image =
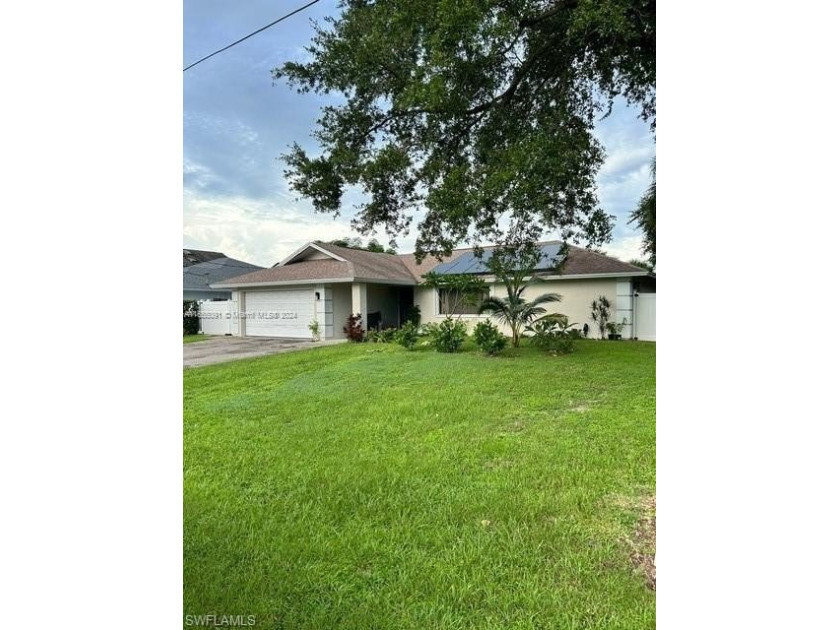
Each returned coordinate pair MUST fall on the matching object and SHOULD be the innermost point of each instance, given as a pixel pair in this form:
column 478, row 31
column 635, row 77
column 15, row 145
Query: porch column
column 359, row 297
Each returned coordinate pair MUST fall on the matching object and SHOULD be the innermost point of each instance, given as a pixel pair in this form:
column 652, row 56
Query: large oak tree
column 471, row 113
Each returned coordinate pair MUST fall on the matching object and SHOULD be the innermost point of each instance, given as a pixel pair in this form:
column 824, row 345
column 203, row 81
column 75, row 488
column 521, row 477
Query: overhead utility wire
column 239, row 41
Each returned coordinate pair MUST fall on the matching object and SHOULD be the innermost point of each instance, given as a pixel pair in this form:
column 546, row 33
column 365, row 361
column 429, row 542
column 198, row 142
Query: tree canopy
column 356, row 243
column 471, row 113
column 644, row 216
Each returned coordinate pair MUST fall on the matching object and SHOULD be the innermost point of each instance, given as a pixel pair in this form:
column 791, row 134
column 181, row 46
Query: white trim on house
column 586, row 276
column 277, row 283
column 272, row 283
column 300, row 250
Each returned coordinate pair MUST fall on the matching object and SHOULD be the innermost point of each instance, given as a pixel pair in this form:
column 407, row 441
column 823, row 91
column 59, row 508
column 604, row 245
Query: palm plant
column 601, row 314
column 514, row 310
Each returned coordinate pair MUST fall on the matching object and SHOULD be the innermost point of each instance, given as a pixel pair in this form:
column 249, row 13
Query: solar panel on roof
column 468, row 262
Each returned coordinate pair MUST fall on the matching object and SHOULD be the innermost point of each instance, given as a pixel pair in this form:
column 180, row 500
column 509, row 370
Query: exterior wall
column 622, row 310
column 342, row 303
column 576, row 303
column 324, row 310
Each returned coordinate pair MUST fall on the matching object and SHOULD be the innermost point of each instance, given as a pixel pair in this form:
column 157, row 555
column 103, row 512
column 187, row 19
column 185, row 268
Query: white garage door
column 285, row 313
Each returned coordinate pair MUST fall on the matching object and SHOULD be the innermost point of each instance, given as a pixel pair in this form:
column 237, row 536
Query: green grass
column 365, row 486
column 194, row 338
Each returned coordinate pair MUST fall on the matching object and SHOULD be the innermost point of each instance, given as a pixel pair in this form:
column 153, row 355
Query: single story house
column 328, row 283
column 203, row 268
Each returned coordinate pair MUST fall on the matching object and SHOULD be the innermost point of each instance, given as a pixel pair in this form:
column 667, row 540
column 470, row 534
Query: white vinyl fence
column 219, row 318
column 646, row 316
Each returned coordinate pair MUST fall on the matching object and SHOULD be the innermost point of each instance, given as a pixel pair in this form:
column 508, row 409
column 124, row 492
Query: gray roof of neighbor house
column 196, row 256
column 200, row 276
column 345, row 265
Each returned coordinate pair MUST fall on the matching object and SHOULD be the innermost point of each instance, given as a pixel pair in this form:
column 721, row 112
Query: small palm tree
column 516, row 311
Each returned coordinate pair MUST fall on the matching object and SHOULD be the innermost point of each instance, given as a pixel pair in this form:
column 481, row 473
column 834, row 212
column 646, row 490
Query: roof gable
column 310, row 251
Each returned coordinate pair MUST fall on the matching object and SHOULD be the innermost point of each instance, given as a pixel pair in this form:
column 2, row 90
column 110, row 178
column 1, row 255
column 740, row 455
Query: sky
column 237, row 121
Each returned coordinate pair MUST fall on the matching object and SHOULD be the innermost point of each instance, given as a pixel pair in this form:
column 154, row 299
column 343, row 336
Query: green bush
column 448, row 335
column 489, row 338
column 408, row 335
column 413, row 315
column 386, row 335
column 554, row 333
column 191, row 321
column 315, row 329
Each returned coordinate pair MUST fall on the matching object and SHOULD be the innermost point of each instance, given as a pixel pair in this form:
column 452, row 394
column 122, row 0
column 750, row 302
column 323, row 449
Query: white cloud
column 625, row 248
column 627, row 159
column 256, row 231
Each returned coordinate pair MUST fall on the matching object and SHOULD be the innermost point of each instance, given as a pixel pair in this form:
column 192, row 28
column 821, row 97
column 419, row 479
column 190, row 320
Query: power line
column 260, row 30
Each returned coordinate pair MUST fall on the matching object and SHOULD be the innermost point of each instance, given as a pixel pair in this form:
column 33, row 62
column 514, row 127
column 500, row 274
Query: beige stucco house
column 327, row 283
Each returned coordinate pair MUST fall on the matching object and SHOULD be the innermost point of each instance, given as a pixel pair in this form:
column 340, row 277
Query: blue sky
column 237, row 122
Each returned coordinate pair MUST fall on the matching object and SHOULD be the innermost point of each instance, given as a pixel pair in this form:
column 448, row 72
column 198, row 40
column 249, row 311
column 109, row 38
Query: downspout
column 633, row 318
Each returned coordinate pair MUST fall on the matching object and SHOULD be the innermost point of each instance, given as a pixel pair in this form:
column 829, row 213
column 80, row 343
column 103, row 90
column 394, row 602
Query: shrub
column 614, row 328
column 353, row 329
column 448, row 335
column 489, row 338
column 601, row 314
column 191, row 321
column 386, row 335
column 408, row 335
column 412, row 315
column 315, row 329
column 554, row 333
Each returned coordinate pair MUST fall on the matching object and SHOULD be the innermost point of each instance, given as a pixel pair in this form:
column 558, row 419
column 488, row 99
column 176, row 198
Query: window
column 452, row 302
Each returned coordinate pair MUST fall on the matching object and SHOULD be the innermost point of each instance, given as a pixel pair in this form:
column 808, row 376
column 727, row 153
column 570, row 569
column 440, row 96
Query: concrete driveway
column 222, row 349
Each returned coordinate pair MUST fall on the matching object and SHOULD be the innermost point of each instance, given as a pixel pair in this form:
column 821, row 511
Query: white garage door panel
column 279, row 313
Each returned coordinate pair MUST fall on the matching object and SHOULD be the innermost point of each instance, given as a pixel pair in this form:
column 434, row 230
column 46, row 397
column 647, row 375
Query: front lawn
column 365, row 486
column 194, row 338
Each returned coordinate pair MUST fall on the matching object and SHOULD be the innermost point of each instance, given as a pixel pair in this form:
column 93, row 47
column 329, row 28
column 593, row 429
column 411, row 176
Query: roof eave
column 611, row 274
column 272, row 283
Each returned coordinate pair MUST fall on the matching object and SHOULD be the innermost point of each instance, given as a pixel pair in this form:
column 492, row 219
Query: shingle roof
column 579, row 261
column 428, row 263
column 196, row 256
column 584, row 261
column 402, row 269
column 199, row 276
column 306, row 270
column 372, row 265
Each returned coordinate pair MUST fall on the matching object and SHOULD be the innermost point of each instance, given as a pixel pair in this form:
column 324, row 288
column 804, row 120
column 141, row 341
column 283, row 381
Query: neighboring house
column 195, row 256
column 203, row 268
column 328, row 283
